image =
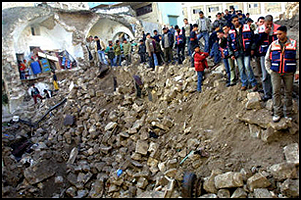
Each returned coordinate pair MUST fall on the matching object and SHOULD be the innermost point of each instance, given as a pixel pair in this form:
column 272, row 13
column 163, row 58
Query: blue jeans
column 200, row 79
column 117, row 59
column 245, row 71
column 151, row 61
column 227, row 67
column 206, row 38
column 102, row 57
column 215, row 53
column 112, row 62
column 155, row 59
column 266, row 79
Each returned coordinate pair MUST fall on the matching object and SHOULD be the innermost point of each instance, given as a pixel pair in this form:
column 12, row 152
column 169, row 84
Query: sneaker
column 243, row 88
column 276, row 118
column 289, row 118
column 228, row 84
column 266, row 98
column 232, row 84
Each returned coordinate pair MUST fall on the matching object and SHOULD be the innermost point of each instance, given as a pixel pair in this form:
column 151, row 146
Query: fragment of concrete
column 209, row 184
column 291, row 153
column 262, row 193
column 290, row 188
column 73, row 154
column 239, row 193
column 39, row 172
column 228, row 180
column 253, row 101
column 142, row 147
column 255, row 131
column 257, row 181
column 283, row 171
column 223, row 193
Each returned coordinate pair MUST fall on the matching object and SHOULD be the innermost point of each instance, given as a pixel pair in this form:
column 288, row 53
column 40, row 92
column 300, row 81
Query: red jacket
column 200, row 61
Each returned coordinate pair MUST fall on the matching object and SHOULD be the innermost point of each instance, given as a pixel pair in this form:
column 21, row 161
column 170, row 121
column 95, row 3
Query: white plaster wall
column 49, row 39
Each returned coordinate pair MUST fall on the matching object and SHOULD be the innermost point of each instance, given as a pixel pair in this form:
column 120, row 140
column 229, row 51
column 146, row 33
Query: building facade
column 256, row 9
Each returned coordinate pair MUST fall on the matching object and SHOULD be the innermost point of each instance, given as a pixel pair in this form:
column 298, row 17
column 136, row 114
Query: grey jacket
column 208, row 24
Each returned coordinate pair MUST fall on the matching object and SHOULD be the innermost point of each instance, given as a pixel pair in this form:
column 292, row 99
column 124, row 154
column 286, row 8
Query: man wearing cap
column 281, row 62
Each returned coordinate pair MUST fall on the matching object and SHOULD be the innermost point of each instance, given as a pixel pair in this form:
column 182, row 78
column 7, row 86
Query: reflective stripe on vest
column 283, row 61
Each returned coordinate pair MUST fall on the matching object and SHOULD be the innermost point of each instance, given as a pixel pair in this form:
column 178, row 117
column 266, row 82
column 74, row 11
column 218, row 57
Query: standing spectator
column 200, row 63
column 213, row 45
column 117, row 51
column 187, row 28
column 150, row 50
column 156, row 36
column 249, row 21
column 180, row 44
column 111, row 54
column 143, row 36
column 285, row 50
column 167, row 44
column 54, row 79
column 142, row 51
column 241, row 19
column 22, row 68
column 247, row 16
column 257, row 71
column 193, row 41
column 266, row 35
column 35, row 93
column 240, row 40
column 204, row 25
column 228, row 17
column 158, row 51
column 172, row 30
column 232, row 10
column 219, row 22
column 91, row 48
column 154, row 55
column 228, row 62
column 127, row 51
column 100, row 48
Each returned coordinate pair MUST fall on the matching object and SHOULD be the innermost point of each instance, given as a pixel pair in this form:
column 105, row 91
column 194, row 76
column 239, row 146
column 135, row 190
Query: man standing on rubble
column 180, row 44
column 281, row 62
column 127, row 51
column 91, row 48
column 187, row 28
column 150, row 50
column 204, row 25
column 266, row 34
column 167, row 44
column 100, row 48
column 35, row 93
column 241, row 47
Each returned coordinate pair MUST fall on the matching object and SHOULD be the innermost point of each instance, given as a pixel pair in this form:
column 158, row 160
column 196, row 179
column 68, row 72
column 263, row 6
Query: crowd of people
column 232, row 38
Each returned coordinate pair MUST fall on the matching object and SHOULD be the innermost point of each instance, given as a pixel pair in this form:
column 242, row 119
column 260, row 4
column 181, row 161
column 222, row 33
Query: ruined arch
column 108, row 29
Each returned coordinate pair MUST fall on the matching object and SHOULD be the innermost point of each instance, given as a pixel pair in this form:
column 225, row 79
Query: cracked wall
column 58, row 29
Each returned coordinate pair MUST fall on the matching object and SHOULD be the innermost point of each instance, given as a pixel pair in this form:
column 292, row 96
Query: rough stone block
column 141, row 147
column 262, row 193
column 291, row 153
column 283, row 171
column 290, row 188
column 257, row 181
column 228, row 180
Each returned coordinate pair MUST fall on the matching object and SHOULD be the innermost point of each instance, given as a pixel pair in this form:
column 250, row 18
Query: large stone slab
column 228, row 180
column 283, row 171
column 39, row 172
column 257, row 181
column 290, row 188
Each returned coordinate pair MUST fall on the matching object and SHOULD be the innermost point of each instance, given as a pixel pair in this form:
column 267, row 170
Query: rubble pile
column 104, row 141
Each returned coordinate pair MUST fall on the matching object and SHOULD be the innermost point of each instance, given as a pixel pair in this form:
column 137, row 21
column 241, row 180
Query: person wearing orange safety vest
column 281, row 63
column 241, row 46
column 265, row 35
column 180, row 43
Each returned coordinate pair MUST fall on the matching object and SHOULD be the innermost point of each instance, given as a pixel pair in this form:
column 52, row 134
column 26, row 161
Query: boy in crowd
column 142, row 51
column 200, row 63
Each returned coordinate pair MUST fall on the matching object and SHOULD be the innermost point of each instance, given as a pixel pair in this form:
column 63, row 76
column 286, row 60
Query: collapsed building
column 54, row 30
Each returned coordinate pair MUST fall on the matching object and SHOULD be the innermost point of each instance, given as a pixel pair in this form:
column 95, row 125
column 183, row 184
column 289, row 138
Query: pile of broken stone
column 106, row 143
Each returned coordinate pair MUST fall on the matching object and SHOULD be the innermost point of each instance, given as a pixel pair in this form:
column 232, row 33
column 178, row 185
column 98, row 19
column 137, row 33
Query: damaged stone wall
column 59, row 29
